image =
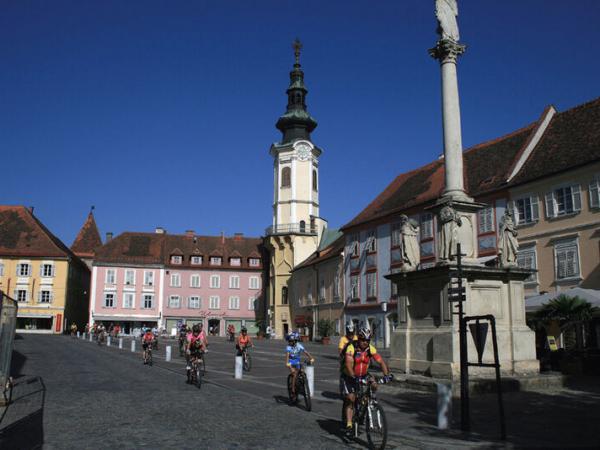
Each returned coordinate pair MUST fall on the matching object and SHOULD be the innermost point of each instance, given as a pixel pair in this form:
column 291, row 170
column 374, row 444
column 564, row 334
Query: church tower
column 296, row 226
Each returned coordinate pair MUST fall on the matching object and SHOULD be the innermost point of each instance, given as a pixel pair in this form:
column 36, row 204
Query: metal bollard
column 310, row 376
column 444, row 405
column 90, row 337
column 168, row 353
column 120, row 342
column 108, row 341
column 133, row 345
column 239, row 368
column 78, row 335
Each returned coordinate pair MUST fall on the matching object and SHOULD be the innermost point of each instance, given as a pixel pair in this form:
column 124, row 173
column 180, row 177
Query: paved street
column 74, row 394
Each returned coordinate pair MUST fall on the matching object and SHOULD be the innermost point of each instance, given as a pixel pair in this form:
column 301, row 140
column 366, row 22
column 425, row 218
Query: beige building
column 50, row 283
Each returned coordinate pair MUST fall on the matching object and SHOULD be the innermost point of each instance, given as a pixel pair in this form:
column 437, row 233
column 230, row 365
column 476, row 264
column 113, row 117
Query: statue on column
column 508, row 246
column 446, row 12
column 450, row 222
column 411, row 252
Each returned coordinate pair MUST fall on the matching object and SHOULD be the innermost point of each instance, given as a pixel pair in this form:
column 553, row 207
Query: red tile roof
column 23, row 235
column 133, row 248
column 88, row 239
column 331, row 251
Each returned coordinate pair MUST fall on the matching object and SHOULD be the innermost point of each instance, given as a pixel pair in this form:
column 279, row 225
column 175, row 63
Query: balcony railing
column 287, row 228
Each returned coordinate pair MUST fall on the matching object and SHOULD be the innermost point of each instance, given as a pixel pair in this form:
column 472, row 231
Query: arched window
column 302, row 226
column 315, row 181
column 284, row 295
column 286, row 177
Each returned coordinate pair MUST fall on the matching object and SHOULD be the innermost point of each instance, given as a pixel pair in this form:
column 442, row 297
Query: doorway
column 214, row 327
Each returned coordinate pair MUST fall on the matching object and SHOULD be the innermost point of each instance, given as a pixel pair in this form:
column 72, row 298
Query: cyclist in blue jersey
column 294, row 352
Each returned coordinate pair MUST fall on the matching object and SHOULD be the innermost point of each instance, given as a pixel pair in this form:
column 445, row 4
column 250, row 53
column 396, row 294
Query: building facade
column 48, row 280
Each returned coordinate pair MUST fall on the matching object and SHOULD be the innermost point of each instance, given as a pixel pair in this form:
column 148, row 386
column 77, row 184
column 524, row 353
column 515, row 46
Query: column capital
column 447, row 51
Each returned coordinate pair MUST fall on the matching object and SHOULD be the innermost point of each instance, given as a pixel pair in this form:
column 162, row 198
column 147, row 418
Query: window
column 567, row 259
column 251, row 304
column 215, row 260
column 23, row 270
column 175, row 280
column 396, row 235
column 196, row 260
column 109, row 300
column 110, row 276
column 354, row 246
column 45, row 297
column 176, row 259
column 174, row 301
column 128, row 300
column 254, row 283
column 130, row 277
column 286, row 177
column 354, row 293
column 148, row 301
column 47, row 270
column 284, row 295
column 371, row 244
column 235, row 262
column 148, row 278
column 426, row 226
column 595, row 192
column 195, row 280
column 21, row 295
column 486, row 220
column 336, row 284
column 234, row 282
column 564, row 200
column 194, row 302
column 314, row 181
column 526, row 210
column 215, row 281
column 322, row 290
column 526, row 260
column 372, row 285
column 254, row 262
column 214, row 302
column 234, row 303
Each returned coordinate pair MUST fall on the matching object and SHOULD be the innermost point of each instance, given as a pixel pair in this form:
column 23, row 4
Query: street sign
column 479, row 332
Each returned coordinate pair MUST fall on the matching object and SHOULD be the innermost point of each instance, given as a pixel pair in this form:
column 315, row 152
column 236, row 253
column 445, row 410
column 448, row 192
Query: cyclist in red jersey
column 196, row 345
column 243, row 341
column 147, row 341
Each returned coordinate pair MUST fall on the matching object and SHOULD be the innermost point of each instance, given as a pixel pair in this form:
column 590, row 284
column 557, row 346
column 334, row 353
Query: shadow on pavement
column 16, row 364
column 333, row 428
column 22, row 423
column 332, row 395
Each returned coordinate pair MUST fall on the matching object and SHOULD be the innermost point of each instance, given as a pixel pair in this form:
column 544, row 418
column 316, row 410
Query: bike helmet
column 364, row 333
column 350, row 327
column 293, row 336
column 196, row 329
column 244, row 329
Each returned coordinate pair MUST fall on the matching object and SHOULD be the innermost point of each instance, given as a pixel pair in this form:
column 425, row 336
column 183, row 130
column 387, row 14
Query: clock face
column 303, row 151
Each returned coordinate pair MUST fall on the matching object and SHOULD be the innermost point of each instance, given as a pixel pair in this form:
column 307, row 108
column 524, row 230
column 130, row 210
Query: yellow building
column 50, row 283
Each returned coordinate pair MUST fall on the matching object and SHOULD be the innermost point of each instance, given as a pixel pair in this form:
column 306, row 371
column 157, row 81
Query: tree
column 325, row 327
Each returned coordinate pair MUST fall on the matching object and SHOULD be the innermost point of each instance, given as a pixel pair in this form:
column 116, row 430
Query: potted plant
column 325, row 327
column 304, row 324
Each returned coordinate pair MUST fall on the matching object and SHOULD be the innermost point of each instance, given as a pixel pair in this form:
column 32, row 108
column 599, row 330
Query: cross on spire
column 297, row 46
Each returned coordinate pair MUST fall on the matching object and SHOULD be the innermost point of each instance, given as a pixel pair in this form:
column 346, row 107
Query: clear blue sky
column 161, row 113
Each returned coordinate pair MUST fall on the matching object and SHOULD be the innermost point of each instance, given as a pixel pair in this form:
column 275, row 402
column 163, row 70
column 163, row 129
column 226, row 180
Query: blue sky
column 161, row 113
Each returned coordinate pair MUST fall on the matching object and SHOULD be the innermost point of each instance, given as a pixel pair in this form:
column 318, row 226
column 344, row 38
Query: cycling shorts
column 295, row 363
column 348, row 385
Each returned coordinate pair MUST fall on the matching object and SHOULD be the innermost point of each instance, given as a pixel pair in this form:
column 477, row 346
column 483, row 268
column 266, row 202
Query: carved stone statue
column 446, row 12
column 411, row 252
column 508, row 246
column 450, row 221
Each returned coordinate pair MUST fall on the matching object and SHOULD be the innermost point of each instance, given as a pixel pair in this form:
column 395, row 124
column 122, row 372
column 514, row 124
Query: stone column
column 447, row 52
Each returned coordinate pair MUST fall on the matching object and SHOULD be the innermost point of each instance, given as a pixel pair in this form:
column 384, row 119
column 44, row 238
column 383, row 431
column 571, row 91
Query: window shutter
column 549, row 205
column 535, row 208
column 593, row 188
column 41, row 270
column 576, row 192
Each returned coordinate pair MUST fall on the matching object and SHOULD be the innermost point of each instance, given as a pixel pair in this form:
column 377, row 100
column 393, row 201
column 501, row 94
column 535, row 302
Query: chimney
column 238, row 236
column 222, row 238
column 109, row 236
column 160, row 230
column 190, row 233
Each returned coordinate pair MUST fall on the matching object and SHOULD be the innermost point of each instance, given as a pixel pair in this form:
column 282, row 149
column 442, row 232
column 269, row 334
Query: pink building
column 160, row 279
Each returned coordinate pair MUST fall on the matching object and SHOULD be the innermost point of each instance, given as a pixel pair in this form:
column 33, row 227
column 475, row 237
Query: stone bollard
column 120, row 342
column 91, row 337
column 133, row 345
column 310, row 376
column 444, row 405
column 78, row 335
column 239, row 367
column 168, row 353
column 108, row 341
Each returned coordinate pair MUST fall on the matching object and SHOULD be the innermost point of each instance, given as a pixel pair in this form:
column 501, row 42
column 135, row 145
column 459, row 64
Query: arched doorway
column 214, row 327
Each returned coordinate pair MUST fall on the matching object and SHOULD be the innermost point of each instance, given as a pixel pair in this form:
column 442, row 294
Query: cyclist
column 357, row 359
column 183, row 331
column 231, row 331
column 243, row 341
column 294, row 352
column 196, row 344
column 147, row 341
column 100, row 330
column 347, row 339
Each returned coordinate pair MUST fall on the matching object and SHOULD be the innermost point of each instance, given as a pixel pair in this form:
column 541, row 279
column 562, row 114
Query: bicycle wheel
column 289, row 387
column 198, row 374
column 305, row 390
column 247, row 362
column 203, row 366
column 376, row 426
column 149, row 357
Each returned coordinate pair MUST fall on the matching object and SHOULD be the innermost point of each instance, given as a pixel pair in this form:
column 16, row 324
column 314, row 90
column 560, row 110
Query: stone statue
column 450, row 221
column 411, row 252
column 508, row 246
column 446, row 12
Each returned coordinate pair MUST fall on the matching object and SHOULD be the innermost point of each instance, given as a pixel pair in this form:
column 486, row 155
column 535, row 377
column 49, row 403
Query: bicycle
column 148, row 355
column 302, row 387
column 197, row 371
column 182, row 340
column 369, row 413
column 246, row 360
column 155, row 343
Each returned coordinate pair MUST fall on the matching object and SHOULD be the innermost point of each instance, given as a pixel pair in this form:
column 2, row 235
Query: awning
column 34, row 315
column 127, row 318
column 535, row 303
